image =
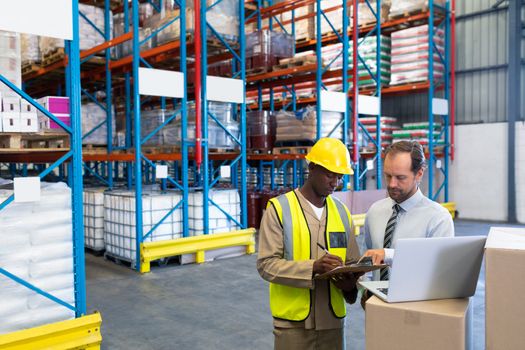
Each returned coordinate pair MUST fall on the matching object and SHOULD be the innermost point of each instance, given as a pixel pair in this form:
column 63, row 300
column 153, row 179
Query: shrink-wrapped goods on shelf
column 260, row 130
column 223, row 17
column 401, row 8
column 410, row 58
column 88, row 35
column 94, row 218
column 302, row 125
column 265, row 48
column 126, row 48
column 10, row 62
column 304, row 28
column 94, row 117
column 218, row 138
column 367, row 51
column 120, row 220
column 227, row 199
column 419, row 132
column 39, row 251
column 30, row 48
column 387, row 126
column 151, row 120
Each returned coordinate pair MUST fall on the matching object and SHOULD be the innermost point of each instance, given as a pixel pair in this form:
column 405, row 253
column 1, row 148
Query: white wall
column 478, row 175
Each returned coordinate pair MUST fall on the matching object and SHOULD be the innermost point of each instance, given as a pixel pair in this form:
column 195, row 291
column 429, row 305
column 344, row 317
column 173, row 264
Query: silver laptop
column 431, row 268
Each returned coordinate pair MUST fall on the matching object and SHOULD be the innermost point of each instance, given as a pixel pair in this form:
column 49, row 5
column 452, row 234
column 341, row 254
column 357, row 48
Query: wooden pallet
column 294, row 63
column 53, row 56
column 30, row 67
column 26, row 141
column 292, row 150
column 260, row 151
column 256, row 71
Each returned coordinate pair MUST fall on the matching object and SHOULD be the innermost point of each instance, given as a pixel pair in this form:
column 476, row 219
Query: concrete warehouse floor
column 217, row 305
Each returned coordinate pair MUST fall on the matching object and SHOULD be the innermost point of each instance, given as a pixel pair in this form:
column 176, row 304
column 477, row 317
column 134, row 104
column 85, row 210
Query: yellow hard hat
column 331, row 154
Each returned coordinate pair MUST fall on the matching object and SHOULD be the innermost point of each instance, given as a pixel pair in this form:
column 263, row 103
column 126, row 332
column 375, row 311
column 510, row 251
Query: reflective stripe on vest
column 291, row 303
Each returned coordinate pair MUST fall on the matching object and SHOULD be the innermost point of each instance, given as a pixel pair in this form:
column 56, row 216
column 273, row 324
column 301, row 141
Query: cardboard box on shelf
column 504, row 284
column 430, row 325
column 10, row 121
column 28, row 122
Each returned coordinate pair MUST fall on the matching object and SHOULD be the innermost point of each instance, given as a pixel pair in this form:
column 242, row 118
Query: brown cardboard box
column 504, row 286
column 435, row 324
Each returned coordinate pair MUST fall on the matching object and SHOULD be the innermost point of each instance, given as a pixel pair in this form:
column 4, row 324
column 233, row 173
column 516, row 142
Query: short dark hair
column 416, row 153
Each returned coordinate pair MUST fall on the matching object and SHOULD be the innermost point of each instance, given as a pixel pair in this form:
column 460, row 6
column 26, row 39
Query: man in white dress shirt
column 406, row 212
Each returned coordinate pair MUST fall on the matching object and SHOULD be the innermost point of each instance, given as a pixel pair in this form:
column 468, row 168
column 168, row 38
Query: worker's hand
column 377, row 255
column 366, row 295
column 346, row 281
column 326, row 263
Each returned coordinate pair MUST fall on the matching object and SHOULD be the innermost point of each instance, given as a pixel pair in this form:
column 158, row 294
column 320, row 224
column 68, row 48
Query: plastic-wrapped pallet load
column 152, row 119
column 92, row 117
column 227, row 199
column 39, row 251
column 410, row 55
column 126, row 48
column 399, row 8
column 120, row 224
column 223, row 16
column 89, row 36
column 217, row 136
column 10, row 61
column 302, row 125
column 419, row 132
column 387, row 127
column 265, row 48
column 94, row 218
column 30, row 48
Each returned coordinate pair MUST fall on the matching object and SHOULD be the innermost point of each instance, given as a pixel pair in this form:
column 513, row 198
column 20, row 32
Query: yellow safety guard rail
column 150, row 251
column 80, row 333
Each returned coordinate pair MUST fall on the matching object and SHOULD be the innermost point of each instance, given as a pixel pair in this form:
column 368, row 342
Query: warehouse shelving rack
column 138, row 164
column 69, row 330
column 435, row 15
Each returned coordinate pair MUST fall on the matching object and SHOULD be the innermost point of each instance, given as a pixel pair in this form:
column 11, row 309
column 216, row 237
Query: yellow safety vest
column 291, row 303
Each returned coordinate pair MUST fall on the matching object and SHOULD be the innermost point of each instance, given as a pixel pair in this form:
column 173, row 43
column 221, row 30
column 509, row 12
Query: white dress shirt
column 418, row 217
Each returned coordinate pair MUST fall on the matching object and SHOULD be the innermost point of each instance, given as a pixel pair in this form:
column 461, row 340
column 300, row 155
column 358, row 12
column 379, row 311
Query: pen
column 323, row 248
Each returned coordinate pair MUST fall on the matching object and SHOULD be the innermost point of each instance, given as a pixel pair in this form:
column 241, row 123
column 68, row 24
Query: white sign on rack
column 368, row 105
column 161, row 171
column 333, row 101
column 27, row 189
column 160, row 82
column 439, row 106
column 53, row 18
column 224, row 89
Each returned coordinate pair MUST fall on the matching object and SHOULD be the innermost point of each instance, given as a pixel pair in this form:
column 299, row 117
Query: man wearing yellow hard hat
column 303, row 233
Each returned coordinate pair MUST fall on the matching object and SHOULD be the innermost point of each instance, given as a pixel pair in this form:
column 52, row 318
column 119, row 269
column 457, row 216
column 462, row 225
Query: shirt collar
column 410, row 202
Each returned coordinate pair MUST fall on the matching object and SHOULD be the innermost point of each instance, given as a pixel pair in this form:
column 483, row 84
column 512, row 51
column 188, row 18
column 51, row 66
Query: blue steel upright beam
column 184, row 123
column 430, row 96
column 76, row 174
column 379, row 165
column 109, row 107
column 244, row 159
column 319, row 69
column 137, row 138
column 205, row 144
column 345, row 80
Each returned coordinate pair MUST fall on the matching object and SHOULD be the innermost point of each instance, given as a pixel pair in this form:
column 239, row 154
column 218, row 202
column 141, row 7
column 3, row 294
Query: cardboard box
column 11, row 104
column 10, row 121
column 55, row 104
column 430, row 325
column 504, row 285
column 46, row 124
column 28, row 122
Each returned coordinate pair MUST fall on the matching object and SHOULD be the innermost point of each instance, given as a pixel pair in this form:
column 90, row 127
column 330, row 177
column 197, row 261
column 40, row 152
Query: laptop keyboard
column 383, row 290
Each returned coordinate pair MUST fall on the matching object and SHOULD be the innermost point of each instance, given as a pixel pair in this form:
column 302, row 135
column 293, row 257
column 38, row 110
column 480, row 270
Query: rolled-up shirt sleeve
column 270, row 261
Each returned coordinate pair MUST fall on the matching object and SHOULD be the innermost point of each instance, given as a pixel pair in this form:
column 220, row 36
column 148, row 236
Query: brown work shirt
column 274, row 268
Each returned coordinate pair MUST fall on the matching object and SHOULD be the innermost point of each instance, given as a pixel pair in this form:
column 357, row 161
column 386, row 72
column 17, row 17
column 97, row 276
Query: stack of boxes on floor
column 410, row 55
column 419, row 132
column 37, row 246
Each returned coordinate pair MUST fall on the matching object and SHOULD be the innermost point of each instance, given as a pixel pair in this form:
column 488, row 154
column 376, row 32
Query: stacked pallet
column 367, row 51
column 419, row 132
column 37, row 247
column 387, row 126
column 120, row 220
column 410, row 56
column 227, row 199
column 302, row 125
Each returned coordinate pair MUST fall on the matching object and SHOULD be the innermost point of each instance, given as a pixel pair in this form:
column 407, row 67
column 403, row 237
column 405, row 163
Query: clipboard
column 349, row 268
